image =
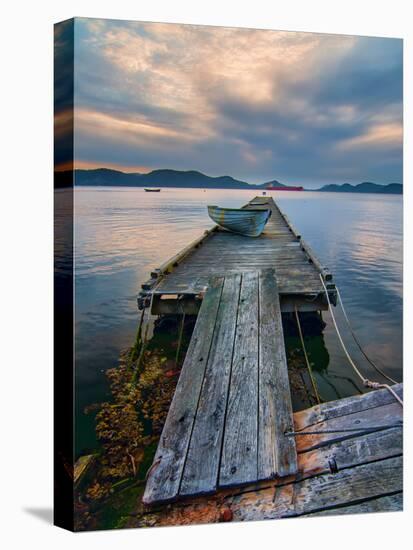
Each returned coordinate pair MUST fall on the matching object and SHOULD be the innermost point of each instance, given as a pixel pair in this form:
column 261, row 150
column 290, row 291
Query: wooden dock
column 232, row 404
column 231, row 446
column 177, row 285
column 351, row 463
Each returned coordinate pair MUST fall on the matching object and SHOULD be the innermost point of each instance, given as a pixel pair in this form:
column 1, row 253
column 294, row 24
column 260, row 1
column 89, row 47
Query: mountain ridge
column 364, row 187
column 194, row 179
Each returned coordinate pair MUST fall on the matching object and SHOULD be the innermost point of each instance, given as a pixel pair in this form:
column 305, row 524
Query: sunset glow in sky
column 254, row 104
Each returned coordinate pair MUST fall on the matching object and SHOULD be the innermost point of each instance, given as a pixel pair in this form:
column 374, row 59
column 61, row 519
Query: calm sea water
column 122, row 233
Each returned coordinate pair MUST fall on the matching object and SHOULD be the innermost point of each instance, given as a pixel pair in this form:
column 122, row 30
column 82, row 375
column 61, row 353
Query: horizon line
column 67, row 167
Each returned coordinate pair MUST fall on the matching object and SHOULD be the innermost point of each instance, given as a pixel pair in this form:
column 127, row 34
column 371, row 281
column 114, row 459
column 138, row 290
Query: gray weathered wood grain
column 390, row 503
column 352, row 452
column 276, row 452
column 203, row 459
column 362, row 421
column 347, row 487
column 362, row 473
column 165, row 476
column 343, row 407
column 239, row 454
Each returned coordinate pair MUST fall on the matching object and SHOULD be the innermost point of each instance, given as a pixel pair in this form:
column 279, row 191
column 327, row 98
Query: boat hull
column 289, row 188
column 246, row 222
column 152, row 190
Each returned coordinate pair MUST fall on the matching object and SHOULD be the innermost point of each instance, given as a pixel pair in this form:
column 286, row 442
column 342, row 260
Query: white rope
column 378, row 369
column 367, row 383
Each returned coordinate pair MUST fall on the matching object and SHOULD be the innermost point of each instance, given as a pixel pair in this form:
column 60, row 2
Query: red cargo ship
column 285, row 188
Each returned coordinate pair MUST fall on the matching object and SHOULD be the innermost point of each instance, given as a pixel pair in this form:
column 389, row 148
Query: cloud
column 63, row 94
column 382, row 135
column 251, row 103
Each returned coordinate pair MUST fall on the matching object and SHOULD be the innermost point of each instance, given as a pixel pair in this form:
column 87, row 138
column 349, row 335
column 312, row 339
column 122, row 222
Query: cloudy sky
column 254, row 104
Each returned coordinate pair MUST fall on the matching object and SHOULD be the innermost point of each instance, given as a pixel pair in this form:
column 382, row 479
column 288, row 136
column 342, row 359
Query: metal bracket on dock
column 144, row 299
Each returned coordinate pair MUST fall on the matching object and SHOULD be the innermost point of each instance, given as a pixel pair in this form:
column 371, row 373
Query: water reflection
column 359, row 237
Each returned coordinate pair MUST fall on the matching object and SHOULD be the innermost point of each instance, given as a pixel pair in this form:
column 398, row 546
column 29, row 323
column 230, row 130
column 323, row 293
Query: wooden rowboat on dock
column 249, row 223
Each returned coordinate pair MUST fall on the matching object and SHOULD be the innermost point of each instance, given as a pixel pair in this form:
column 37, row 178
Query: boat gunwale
column 243, row 210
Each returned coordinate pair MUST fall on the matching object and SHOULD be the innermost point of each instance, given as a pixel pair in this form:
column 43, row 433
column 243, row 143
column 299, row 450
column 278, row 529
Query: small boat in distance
column 151, row 190
column 244, row 221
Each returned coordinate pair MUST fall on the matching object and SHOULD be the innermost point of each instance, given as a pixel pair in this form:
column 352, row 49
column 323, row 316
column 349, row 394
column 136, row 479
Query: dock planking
column 275, row 452
column 231, row 433
column 232, row 404
column 200, row 474
column 240, row 450
column 220, row 253
column 166, row 472
column 359, row 472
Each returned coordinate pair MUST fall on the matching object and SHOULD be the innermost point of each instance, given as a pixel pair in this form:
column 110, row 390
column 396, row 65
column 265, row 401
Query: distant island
column 194, row 179
column 365, row 187
column 158, row 178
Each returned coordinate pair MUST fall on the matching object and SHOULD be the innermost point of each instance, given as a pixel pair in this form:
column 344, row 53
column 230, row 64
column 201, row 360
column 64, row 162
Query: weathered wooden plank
column 276, row 497
column 199, row 283
column 255, row 256
column 362, row 421
column 342, row 407
column 190, row 305
column 287, row 267
column 202, row 464
column 276, row 453
column 231, row 242
column 252, row 253
column 349, row 486
column 347, row 454
column 165, row 475
column 293, row 230
column 198, row 280
column 285, row 275
column 239, row 454
column 390, row 503
column 285, row 262
column 298, row 274
column 265, row 241
column 263, row 246
column 352, row 452
column 174, row 261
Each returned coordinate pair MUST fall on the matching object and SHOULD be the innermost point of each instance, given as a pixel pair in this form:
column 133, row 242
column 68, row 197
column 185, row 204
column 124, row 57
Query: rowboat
column 248, row 222
column 151, row 190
